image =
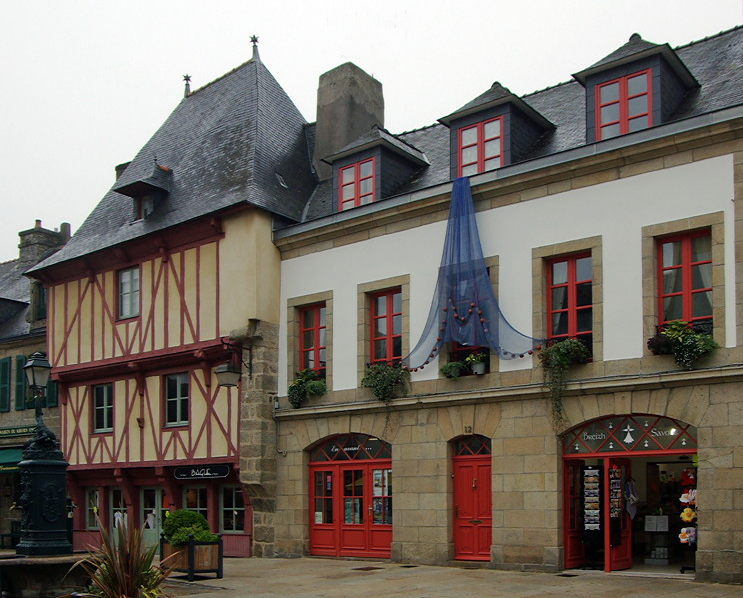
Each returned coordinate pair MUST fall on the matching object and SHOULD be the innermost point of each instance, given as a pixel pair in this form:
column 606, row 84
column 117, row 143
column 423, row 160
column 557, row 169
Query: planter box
column 194, row 558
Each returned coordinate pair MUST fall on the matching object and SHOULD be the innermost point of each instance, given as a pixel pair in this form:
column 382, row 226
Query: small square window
column 129, row 293
column 480, row 147
column 176, row 399
column 356, row 185
column 623, row 105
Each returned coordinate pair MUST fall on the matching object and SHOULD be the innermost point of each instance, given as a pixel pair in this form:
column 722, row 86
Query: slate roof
column 15, row 294
column 379, row 136
column 225, row 144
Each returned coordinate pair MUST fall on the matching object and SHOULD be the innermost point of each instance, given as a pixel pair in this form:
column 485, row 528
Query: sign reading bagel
column 199, row 472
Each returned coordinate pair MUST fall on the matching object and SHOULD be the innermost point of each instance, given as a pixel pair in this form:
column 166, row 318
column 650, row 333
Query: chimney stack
column 39, row 242
column 349, row 103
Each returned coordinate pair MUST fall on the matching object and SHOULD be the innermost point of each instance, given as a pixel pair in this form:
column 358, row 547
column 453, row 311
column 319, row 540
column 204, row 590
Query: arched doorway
column 473, row 516
column 625, row 480
column 351, row 497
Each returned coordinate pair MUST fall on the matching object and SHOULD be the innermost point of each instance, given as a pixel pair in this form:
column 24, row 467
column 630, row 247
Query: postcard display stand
column 592, row 534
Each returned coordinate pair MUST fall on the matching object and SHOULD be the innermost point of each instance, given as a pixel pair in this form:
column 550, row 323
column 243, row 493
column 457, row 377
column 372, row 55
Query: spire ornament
column 254, row 41
column 187, row 79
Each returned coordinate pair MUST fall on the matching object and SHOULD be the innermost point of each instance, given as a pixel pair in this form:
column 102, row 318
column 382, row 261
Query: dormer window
column 624, row 105
column 356, row 184
column 480, row 147
column 145, row 206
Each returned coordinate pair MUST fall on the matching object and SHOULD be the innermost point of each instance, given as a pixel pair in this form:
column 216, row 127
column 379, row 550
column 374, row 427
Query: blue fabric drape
column 464, row 309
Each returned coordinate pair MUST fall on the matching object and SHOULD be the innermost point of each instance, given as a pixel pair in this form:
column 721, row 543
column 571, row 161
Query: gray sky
column 85, row 83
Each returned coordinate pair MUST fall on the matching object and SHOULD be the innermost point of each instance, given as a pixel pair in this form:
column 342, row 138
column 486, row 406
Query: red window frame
column 352, row 180
column 686, row 267
column 481, row 143
column 623, row 100
column 312, row 345
column 570, row 306
column 385, row 326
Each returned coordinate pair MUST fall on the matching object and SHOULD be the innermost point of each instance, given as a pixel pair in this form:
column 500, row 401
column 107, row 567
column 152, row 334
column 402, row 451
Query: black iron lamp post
column 43, row 481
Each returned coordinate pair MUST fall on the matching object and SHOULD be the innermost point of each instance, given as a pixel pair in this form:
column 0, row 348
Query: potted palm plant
column 192, row 547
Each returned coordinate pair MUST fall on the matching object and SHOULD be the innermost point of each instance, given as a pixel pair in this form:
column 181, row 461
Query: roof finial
column 254, row 41
column 187, row 79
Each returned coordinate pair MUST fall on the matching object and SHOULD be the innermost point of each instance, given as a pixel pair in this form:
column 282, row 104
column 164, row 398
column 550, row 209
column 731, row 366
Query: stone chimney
column 38, row 242
column 349, row 103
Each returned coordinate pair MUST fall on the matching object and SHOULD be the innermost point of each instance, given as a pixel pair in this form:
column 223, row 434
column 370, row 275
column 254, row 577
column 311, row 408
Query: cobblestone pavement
column 330, row 578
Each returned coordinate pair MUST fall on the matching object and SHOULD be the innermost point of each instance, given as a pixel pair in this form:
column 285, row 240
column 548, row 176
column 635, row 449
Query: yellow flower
column 688, row 515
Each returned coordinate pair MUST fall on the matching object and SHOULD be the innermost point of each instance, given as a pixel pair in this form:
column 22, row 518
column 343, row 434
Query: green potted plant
column 384, row 379
column 686, row 344
column 556, row 358
column 476, row 361
column 307, row 383
column 453, row 369
column 189, row 543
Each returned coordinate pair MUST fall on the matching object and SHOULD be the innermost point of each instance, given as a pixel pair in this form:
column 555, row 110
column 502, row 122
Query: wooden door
column 575, row 554
column 472, row 508
column 618, row 535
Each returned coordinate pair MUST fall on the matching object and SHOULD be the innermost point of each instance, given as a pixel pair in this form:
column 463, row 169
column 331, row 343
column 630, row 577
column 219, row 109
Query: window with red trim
column 685, row 277
column 356, row 184
column 386, row 326
column 570, row 298
column 480, row 147
column 312, row 338
column 623, row 105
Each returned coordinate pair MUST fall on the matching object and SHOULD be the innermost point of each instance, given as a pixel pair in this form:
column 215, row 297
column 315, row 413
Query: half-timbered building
column 172, row 275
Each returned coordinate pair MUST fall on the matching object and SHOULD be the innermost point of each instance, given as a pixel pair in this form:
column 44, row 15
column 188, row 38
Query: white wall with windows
column 616, row 211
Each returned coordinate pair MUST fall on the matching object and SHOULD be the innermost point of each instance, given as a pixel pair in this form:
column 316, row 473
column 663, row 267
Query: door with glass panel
column 153, row 509
column 351, row 497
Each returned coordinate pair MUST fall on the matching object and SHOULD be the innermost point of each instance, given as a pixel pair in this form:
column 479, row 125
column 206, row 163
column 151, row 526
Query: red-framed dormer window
column 685, row 277
column 623, row 105
column 386, row 326
column 480, row 147
column 312, row 346
column 356, row 184
column 570, row 298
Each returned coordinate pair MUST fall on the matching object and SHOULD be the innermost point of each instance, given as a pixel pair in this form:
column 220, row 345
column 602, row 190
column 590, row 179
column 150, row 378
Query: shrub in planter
column 383, row 380
column 453, row 369
column 182, row 519
column 188, row 541
column 306, row 384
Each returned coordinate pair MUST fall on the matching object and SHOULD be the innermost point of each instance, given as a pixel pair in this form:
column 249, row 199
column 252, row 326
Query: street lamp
column 43, row 480
column 37, row 374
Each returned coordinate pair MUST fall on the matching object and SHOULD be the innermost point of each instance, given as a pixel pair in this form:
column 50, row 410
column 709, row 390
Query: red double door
column 612, row 526
column 473, row 518
column 351, row 509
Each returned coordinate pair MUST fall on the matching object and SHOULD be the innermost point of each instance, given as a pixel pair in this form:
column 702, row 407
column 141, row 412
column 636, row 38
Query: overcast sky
column 86, row 83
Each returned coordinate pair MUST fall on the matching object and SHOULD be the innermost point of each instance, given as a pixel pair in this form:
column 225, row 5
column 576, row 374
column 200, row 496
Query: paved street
column 329, row 578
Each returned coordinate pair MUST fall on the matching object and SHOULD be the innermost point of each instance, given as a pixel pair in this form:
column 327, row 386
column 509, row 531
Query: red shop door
column 575, row 554
column 352, row 510
column 618, row 536
column 472, row 508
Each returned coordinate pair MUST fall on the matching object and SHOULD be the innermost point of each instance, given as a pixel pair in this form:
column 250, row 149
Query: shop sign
column 16, row 431
column 199, row 472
